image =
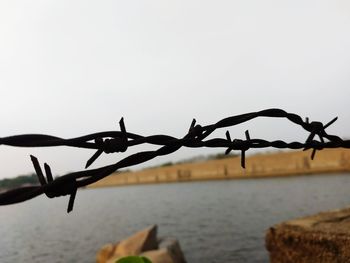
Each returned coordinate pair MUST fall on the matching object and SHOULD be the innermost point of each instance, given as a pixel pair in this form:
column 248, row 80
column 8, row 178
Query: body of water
column 217, row 221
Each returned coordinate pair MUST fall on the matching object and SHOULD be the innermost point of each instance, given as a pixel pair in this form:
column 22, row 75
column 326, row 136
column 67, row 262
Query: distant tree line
column 9, row 183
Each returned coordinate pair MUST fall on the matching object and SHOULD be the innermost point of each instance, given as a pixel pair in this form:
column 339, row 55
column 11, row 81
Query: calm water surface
column 222, row 221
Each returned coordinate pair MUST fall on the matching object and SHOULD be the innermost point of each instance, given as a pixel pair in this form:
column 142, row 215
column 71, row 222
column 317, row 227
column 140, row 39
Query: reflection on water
column 222, row 221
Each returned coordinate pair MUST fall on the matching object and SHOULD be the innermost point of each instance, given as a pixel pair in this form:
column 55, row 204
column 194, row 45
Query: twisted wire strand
column 120, row 141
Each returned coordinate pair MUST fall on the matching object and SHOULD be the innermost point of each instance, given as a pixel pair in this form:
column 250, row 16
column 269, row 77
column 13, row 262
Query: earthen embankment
column 257, row 166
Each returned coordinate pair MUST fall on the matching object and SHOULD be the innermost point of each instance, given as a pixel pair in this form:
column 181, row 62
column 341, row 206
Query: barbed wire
column 120, row 141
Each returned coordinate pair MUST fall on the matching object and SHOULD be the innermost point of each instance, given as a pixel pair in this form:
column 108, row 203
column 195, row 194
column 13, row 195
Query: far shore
column 291, row 163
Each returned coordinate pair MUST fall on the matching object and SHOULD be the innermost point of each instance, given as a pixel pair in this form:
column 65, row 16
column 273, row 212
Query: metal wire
column 121, row 141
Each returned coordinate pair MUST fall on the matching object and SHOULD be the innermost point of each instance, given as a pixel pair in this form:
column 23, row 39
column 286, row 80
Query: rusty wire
column 121, row 141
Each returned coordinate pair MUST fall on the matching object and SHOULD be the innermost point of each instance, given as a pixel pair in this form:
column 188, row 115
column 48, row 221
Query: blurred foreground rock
column 323, row 238
column 144, row 243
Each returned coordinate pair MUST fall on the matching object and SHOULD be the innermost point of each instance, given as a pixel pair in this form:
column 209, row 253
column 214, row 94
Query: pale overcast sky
column 68, row 68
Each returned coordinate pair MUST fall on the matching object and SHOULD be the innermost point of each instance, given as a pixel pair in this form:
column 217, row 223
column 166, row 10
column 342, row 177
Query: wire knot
column 118, row 144
column 316, row 128
column 112, row 145
column 64, row 185
column 238, row 144
column 195, row 131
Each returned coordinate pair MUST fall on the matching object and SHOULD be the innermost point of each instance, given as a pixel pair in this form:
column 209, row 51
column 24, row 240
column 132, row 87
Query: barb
column 121, row 141
column 117, row 144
